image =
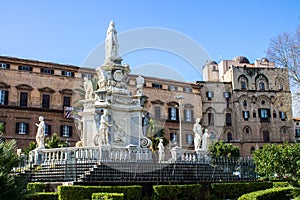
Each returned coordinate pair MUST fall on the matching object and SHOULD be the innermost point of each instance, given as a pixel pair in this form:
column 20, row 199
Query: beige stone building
column 245, row 104
column 259, row 100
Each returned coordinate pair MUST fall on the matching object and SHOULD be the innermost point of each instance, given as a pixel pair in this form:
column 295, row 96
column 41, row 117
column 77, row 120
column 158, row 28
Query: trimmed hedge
column 176, row 192
column 35, row 187
column 273, row 193
column 133, row 192
column 42, row 196
column 235, row 190
column 107, row 196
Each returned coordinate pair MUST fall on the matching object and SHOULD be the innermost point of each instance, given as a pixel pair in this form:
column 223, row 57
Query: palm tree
column 155, row 132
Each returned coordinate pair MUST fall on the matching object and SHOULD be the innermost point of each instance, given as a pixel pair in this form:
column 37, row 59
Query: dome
column 241, row 59
column 264, row 60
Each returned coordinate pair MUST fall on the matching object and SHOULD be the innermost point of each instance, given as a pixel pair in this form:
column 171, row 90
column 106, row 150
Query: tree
column 10, row 186
column 155, row 132
column 280, row 161
column 284, row 50
column 221, row 149
column 55, row 142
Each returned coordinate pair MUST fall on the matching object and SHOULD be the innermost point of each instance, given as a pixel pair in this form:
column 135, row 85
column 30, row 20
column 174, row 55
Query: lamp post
column 178, row 98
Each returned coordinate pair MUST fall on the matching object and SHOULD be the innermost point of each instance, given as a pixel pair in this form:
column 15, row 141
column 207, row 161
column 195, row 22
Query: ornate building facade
column 245, row 104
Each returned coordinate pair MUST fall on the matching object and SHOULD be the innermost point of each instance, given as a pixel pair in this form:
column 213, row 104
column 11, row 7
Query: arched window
column 266, row 136
column 245, row 103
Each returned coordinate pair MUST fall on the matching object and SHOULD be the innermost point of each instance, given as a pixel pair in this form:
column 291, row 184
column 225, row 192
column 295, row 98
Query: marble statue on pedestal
column 139, row 85
column 111, row 43
column 103, row 129
column 88, row 87
column 161, row 151
column 102, row 80
column 40, row 135
column 198, row 134
column 205, row 140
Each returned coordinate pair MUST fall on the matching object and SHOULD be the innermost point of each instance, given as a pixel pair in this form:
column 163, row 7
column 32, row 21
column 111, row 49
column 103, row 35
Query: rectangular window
column 25, row 68
column 47, row 71
column 189, row 139
column 66, row 73
column 262, row 86
column 47, row 130
column 66, row 131
column 3, row 97
column 173, row 137
column 227, row 95
column 282, row 116
column 172, row 87
column 246, row 115
column 89, row 76
column 157, row 112
column 173, row 115
column 22, row 128
column 67, row 101
column 24, row 99
column 243, row 85
column 228, row 119
column 4, row 66
column 187, row 89
column 211, row 120
column 297, row 132
column 188, row 115
column 264, row 114
column 46, row 101
column 156, row 85
column 209, row 95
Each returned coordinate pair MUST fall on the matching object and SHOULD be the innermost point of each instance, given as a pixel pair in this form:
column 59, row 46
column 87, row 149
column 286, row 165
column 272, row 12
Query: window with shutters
column 173, row 137
column 67, row 73
column 24, row 99
column 264, row 114
column 157, row 112
column 246, row 115
column 46, row 101
column 188, row 115
column 22, row 128
column 47, row 130
column 282, row 116
column 209, row 95
column 66, row 131
column 173, row 114
column 297, row 132
column 47, row 71
column 4, row 65
column 228, row 119
column 3, row 97
column 211, row 119
column 227, row 95
column 189, row 138
column 66, row 101
column 25, row 68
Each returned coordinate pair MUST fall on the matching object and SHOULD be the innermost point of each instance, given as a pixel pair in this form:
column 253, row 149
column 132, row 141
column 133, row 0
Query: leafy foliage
column 55, row 142
column 32, row 145
column 9, row 186
column 279, row 161
column 155, row 132
column 221, row 149
column 188, row 191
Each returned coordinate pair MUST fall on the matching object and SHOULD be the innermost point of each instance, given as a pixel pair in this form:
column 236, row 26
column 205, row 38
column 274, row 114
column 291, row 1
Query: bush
column 35, row 187
column 42, row 196
column 235, row 190
column 176, row 192
column 85, row 192
column 273, row 193
column 106, row 196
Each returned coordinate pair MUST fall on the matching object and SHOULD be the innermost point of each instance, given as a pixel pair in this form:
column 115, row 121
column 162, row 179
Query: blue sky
column 68, row 31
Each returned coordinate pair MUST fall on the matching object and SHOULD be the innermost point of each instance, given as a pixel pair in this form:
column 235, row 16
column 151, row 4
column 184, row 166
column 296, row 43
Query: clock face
column 118, row 75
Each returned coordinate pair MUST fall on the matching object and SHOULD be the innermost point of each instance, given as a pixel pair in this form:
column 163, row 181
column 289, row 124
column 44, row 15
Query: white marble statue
column 40, row 135
column 102, row 80
column 103, row 129
column 161, row 151
column 198, row 134
column 111, row 42
column 139, row 85
column 88, row 87
column 146, row 123
column 205, row 140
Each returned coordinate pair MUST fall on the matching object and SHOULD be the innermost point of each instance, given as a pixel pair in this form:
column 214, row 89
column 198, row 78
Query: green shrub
column 42, row 196
column 176, row 192
column 85, row 192
column 281, row 184
column 35, row 187
column 106, row 196
column 273, row 193
column 235, row 190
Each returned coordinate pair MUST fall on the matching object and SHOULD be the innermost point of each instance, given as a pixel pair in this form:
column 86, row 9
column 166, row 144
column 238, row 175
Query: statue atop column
column 111, row 43
column 198, row 134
